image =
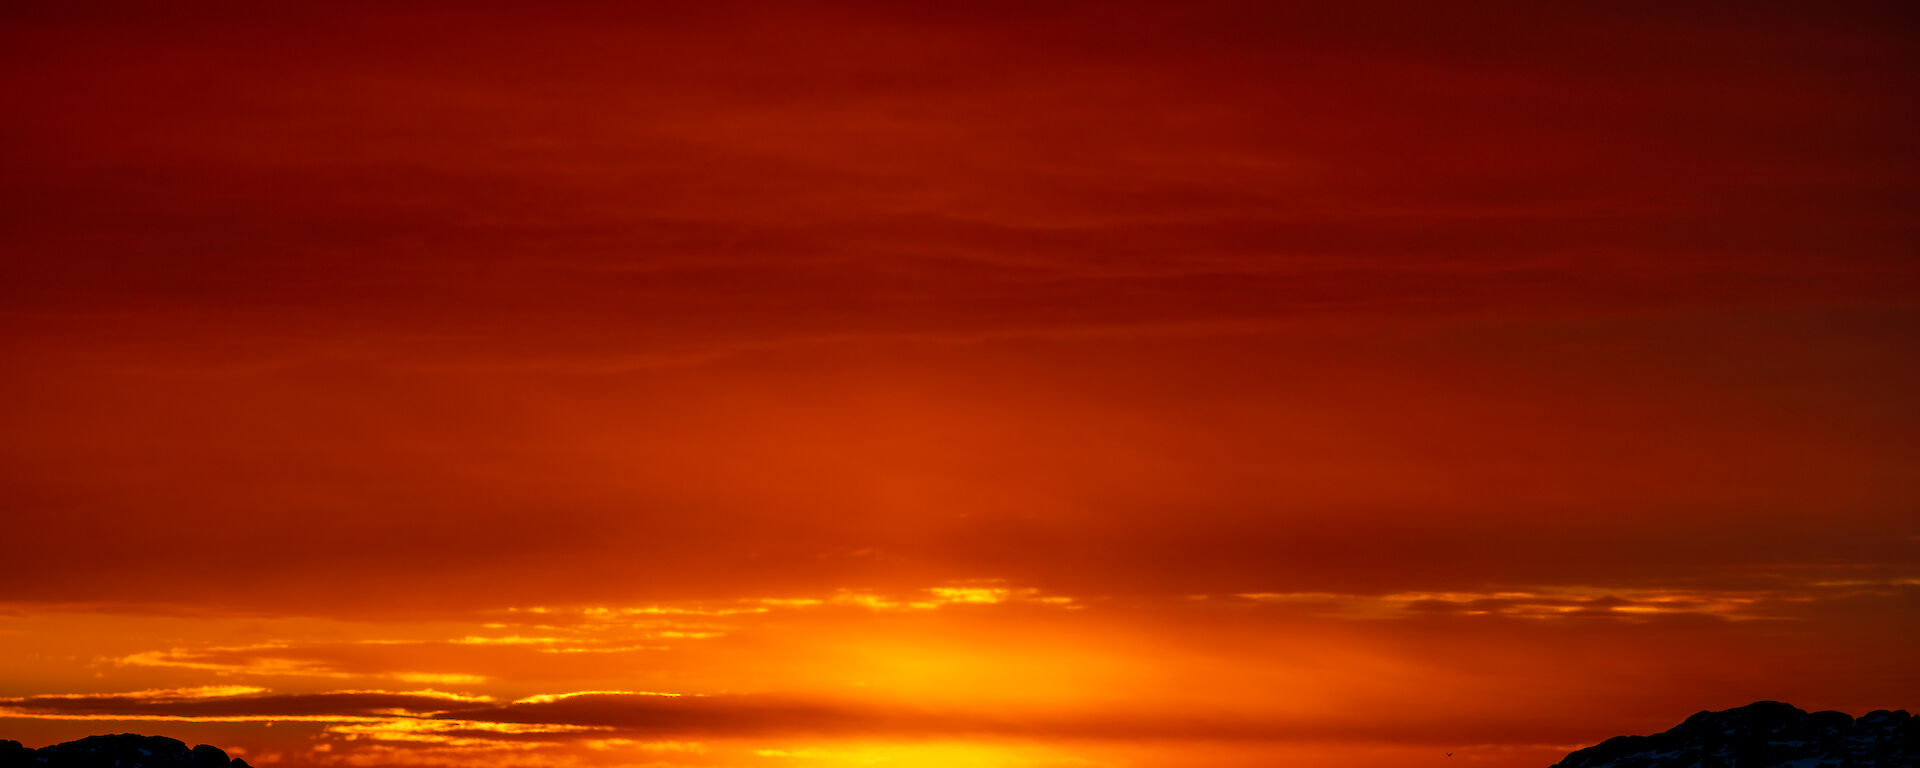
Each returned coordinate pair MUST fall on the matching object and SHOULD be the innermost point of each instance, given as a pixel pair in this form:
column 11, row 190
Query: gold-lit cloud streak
column 160, row 694
column 548, row 698
column 1568, row 601
column 194, row 659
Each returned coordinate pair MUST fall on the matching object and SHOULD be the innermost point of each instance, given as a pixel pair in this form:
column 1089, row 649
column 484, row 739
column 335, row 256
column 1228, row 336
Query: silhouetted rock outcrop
column 126, row 750
column 1765, row 734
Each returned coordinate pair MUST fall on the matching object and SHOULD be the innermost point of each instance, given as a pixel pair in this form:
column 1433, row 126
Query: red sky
column 998, row 384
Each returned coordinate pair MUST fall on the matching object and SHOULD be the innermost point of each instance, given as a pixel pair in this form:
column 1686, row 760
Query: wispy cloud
column 285, row 659
column 1591, row 602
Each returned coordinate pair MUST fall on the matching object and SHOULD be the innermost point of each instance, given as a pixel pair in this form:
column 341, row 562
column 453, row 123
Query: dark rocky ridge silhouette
column 125, row 750
column 1765, row 734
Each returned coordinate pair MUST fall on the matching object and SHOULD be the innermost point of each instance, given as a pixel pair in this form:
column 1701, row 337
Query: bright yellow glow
column 929, row 755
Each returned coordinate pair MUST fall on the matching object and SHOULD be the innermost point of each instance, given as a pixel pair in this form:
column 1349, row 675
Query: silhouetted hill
column 1765, row 734
column 125, row 750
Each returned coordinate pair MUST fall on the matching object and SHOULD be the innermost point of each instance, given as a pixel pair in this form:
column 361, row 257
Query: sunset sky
column 1003, row 384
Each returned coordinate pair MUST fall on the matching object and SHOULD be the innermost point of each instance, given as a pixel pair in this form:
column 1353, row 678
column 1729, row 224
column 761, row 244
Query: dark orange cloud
column 347, row 705
column 1450, row 349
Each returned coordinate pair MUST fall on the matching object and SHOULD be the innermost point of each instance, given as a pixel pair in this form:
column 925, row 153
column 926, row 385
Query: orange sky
column 996, row 384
